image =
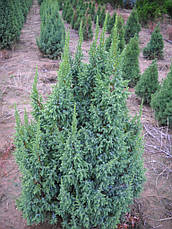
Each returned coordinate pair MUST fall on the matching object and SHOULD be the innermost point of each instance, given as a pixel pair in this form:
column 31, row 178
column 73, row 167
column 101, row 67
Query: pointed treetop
column 102, row 36
column 65, row 63
column 94, row 44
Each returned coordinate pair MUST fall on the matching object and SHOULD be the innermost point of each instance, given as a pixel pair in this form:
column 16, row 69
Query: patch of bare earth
column 17, row 70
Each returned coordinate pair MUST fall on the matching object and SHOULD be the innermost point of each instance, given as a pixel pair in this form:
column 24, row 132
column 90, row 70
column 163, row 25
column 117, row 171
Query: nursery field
column 17, row 70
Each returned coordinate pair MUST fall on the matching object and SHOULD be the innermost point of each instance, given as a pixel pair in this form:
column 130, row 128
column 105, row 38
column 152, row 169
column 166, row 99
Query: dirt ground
column 17, row 70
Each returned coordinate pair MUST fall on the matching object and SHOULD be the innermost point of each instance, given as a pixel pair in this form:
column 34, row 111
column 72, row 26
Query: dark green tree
column 154, row 48
column 102, row 17
column 132, row 26
column 77, row 22
column 87, row 28
column 130, row 62
column 98, row 13
column 119, row 26
column 148, row 83
column 111, row 23
column 69, row 14
column 161, row 101
column 12, row 16
column 52, row 35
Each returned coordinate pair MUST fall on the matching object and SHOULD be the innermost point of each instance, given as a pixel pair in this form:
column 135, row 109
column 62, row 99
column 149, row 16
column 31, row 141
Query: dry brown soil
column 17, row 70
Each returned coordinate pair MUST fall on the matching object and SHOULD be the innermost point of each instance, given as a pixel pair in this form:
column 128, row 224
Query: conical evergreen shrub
column 101, row 167
column 119, row 25
column 132, row 26
column 87, row 28
column 161, row 101
column 102, row 17
column 154, row 48
column 52, row 35
column 85, row 169
column 130, row 62
column 148, row 83
column 111, row 23
column 38, row 148
column 69, row 14
column 98, row 13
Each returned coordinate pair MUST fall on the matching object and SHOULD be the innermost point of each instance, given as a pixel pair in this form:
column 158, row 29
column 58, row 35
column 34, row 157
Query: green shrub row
column 75, row 11
column 12, row 16
column 81, row 155
column 52, row 35
column 150, row 10
column 159, row 96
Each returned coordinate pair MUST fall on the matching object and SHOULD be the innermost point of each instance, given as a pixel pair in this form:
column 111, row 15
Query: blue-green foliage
column 52, row 35
column 80, row 157
column 12, row 16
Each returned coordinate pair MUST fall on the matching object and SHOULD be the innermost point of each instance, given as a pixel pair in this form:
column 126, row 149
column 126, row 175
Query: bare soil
column 17, row 70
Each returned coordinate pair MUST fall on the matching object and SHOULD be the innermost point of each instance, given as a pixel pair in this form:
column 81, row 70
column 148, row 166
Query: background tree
column 148, row 83
column 130, row 70
column 119, row 25
column 132, row 26
column 52, row 35
column 161, row 101
column 154, row 48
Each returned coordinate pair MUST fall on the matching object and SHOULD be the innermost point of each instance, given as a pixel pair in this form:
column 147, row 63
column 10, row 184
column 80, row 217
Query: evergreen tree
column 51, row 40
column 129, row 62
column 87, row 168
column 87, row 28
column 111, row 23
column 132, row 27
column 102, row 17
column 101, row 166
column 148, row 83
column 154, row 48
column 93, row 11
column 161, row 101
column 73, row 20
column 39, row 147
column 69, row 14
column 77, row 23
column 98, row 13
column 12, row 17
column 119, row 25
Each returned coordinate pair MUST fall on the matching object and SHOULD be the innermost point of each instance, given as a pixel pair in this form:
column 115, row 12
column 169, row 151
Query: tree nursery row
column 12, row 16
